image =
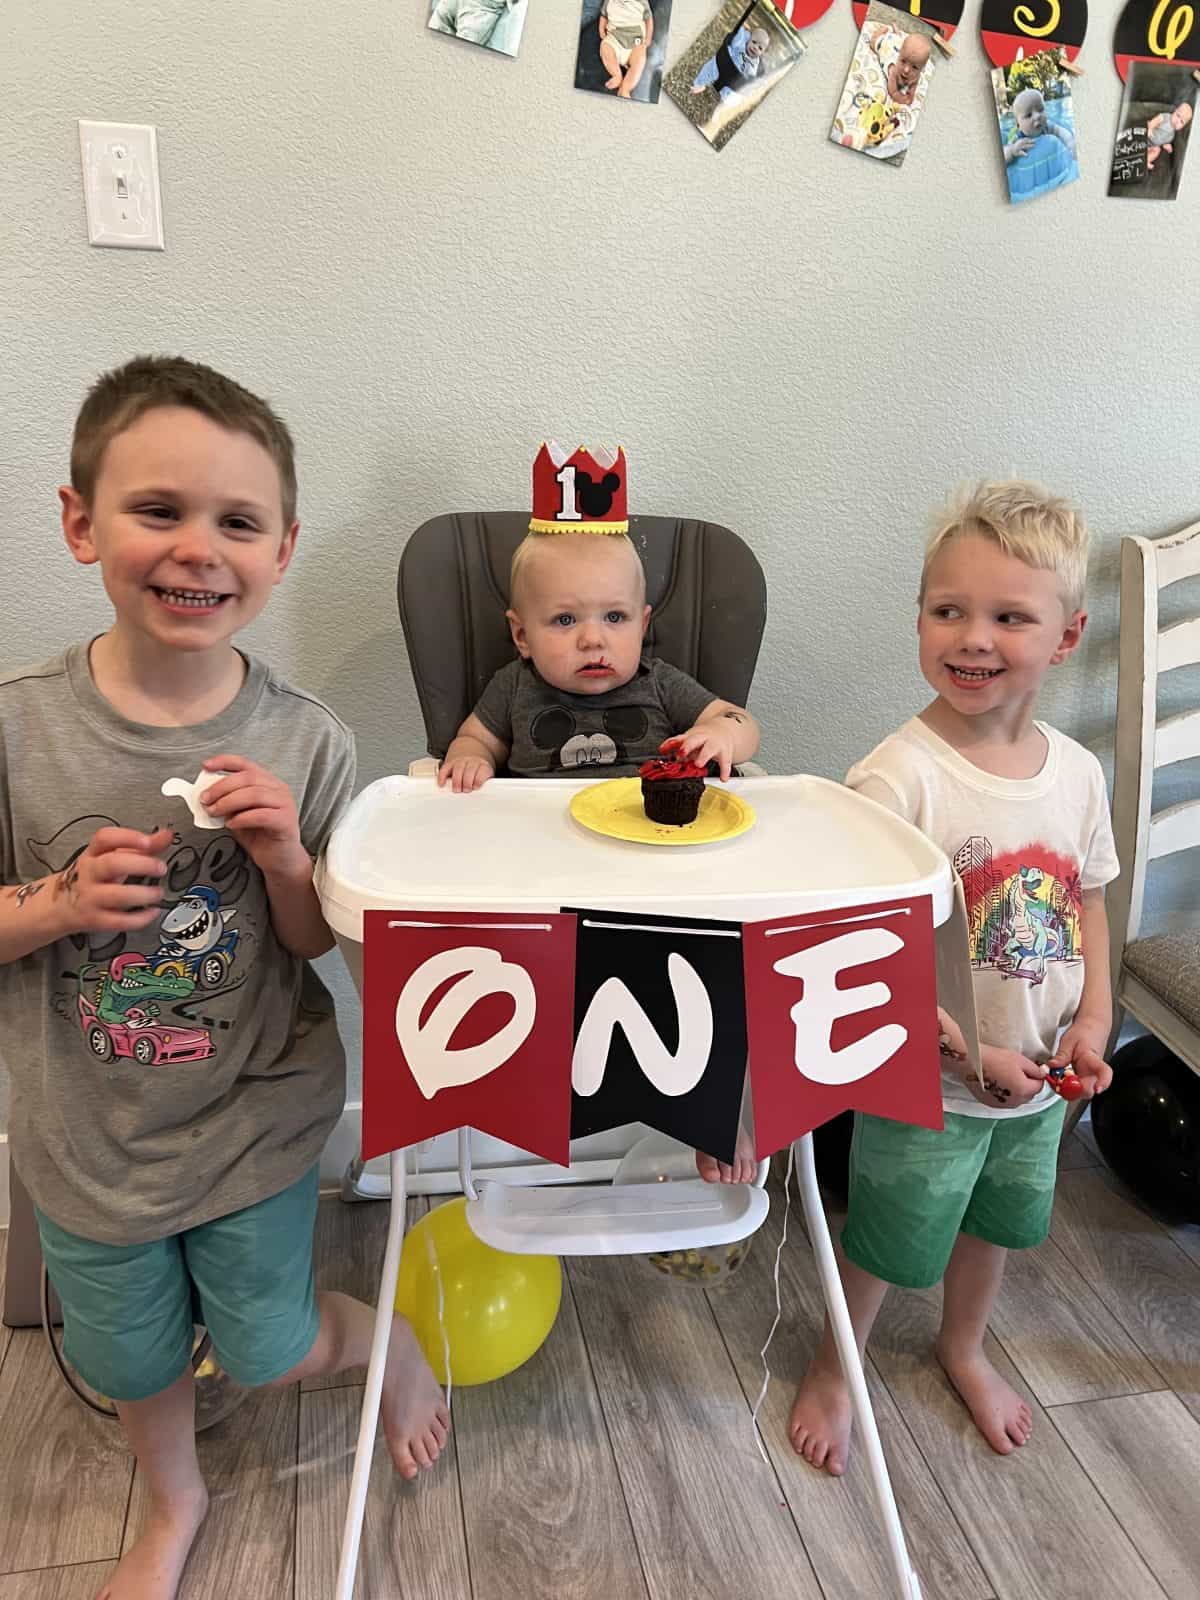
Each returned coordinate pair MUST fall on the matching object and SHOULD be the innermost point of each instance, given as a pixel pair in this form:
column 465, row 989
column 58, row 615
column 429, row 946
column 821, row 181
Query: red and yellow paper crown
column 583, row 493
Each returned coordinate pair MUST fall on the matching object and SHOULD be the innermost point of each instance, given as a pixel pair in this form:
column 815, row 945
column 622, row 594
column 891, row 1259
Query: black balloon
column 1148, row 1127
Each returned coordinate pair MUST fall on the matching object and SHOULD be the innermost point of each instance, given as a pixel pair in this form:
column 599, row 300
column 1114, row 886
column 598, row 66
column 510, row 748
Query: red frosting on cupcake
column 658, row 767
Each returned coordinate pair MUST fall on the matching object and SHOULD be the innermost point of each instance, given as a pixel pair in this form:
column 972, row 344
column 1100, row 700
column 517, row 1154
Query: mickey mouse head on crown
column 581, row 493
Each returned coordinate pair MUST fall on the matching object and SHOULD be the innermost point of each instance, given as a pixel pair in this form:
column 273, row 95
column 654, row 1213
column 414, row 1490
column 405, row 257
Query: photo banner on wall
column 660, row 1027
column 467, row 1022
column 842, row 1011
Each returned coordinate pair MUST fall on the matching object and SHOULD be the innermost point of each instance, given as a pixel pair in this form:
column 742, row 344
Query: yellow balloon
column 497, row 1309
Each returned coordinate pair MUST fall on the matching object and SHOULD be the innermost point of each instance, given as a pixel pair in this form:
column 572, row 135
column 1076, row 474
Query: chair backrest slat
column 1177, row 739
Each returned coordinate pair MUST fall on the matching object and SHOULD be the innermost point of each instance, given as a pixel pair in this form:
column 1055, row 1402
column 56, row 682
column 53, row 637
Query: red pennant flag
column 842, row 1015
column 468, row 1021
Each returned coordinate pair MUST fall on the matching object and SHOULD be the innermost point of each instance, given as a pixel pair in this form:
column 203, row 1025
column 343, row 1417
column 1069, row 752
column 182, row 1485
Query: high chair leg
column 369, row 1416
column 907, row 1585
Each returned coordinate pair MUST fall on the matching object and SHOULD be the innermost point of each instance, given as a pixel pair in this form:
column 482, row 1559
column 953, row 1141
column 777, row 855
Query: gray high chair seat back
column 706, row 588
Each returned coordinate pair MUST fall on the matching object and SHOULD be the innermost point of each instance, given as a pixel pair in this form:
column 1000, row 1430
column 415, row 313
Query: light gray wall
column 430, row 258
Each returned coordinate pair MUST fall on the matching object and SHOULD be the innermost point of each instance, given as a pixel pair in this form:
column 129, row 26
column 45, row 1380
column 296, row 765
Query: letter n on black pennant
column 660, row 1027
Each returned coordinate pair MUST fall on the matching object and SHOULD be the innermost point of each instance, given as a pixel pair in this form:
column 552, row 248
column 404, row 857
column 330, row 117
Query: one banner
column 842, row 1008
column 467, row 1023
column 660, row 1027
column 1011, row 30
column 1165, row 31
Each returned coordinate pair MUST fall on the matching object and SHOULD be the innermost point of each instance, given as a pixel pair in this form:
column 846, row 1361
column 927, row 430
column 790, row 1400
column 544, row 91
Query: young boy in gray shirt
column 174, row 1061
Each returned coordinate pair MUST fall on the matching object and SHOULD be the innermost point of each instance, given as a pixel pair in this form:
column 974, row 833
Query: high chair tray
column 607, row 1221
column 512, row 845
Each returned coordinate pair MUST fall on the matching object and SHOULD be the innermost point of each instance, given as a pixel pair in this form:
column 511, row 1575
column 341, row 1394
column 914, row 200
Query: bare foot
column 614, row 82
column 699, row 90
column 821, row 1420
column 152, row 1567
column 997, row 1410
column 416, row 1422
column 743, row 1170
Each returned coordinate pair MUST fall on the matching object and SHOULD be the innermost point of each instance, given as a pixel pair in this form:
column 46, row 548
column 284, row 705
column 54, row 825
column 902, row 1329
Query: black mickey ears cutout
column 595, row 499
column 626, row 723
column 551, row 728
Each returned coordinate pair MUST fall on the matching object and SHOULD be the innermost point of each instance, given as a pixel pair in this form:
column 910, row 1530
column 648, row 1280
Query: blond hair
column 1028, row 523
column 118, row 399
column 546, row 541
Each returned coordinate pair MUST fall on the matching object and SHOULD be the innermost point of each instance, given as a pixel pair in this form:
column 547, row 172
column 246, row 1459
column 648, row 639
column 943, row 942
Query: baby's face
column 579, row 611
column 1180, row 118
column 914, row 53
column 757, row 43
column 1030, row 112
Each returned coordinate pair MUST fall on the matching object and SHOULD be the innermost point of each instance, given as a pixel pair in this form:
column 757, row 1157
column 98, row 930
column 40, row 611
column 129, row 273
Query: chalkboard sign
column 1157, row 30
column 944, row 15
column 1129, row 156
column 1014, row 29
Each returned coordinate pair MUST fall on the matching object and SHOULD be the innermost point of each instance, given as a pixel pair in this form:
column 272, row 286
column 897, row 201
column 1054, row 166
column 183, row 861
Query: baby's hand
column 707, row 741
column 1020, row 147
column 1009, row 1078
column 465, row 773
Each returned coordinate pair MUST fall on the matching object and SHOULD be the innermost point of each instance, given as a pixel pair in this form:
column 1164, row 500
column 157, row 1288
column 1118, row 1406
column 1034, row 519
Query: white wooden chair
column 1155, row 979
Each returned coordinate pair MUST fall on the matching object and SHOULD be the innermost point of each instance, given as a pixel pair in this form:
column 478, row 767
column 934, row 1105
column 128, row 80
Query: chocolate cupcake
column 672, row 791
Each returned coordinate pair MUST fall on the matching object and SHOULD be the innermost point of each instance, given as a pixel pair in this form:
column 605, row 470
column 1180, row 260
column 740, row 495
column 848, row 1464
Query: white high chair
column 401, row 847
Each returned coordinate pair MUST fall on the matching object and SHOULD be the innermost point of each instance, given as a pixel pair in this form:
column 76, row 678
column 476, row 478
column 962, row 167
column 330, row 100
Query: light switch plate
column 120, row 184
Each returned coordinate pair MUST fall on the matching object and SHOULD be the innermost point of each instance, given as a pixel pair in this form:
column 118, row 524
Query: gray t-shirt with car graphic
column 162, row 1078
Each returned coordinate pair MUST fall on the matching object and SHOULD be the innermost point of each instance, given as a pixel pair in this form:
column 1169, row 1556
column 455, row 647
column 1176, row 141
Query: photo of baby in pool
column 1037, row 125
column 886, row 86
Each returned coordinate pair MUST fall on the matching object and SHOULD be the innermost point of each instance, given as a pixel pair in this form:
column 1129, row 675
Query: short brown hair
column 116, row 401
column 1026, row 521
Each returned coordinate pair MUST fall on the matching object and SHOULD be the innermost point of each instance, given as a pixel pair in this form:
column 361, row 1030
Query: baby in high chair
column 581, row 700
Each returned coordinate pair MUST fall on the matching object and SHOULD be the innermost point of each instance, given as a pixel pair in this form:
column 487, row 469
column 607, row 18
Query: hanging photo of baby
column 1156, row 124
column 622, row 45
column 886, row 86
column 1037, row 125
column 497, row 24
column 732, row 67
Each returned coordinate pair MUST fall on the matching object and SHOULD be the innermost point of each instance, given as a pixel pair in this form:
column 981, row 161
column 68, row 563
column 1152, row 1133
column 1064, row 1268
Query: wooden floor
column 620, row 1462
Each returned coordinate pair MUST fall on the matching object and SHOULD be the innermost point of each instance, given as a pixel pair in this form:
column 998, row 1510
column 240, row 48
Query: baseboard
column 4, row 1202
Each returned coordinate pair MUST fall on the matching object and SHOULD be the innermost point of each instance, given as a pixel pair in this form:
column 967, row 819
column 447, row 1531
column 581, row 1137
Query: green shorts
column 128, row 1310
column 914, row 1190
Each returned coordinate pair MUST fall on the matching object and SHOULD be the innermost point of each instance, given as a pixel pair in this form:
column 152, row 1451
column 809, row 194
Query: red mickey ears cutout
column 1166, row 31
column 944, row 15
column 803, row 13
column 1015, row 29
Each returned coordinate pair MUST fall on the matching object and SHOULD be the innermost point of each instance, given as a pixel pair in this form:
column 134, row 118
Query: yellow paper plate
column 615, row 810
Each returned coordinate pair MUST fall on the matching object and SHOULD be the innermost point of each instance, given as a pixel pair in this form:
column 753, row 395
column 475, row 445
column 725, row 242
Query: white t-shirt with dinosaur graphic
column 1025, row 849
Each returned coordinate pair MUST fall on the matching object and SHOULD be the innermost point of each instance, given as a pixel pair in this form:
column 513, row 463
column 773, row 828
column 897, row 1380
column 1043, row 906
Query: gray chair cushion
column 707, row 591
column 1169, row 964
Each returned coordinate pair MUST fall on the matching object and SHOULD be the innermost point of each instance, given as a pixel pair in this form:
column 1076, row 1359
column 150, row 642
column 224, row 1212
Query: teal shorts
column 914, row 1190
column 129, row 1310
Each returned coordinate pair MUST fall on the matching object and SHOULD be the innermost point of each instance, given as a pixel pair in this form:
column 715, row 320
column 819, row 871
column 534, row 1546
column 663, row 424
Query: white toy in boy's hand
column 190, row 792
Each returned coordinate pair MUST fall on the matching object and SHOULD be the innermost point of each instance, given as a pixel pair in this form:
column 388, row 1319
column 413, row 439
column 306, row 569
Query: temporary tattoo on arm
column 26, row 891
column 67, row 879
column 996, row 1090
column 734, row 716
